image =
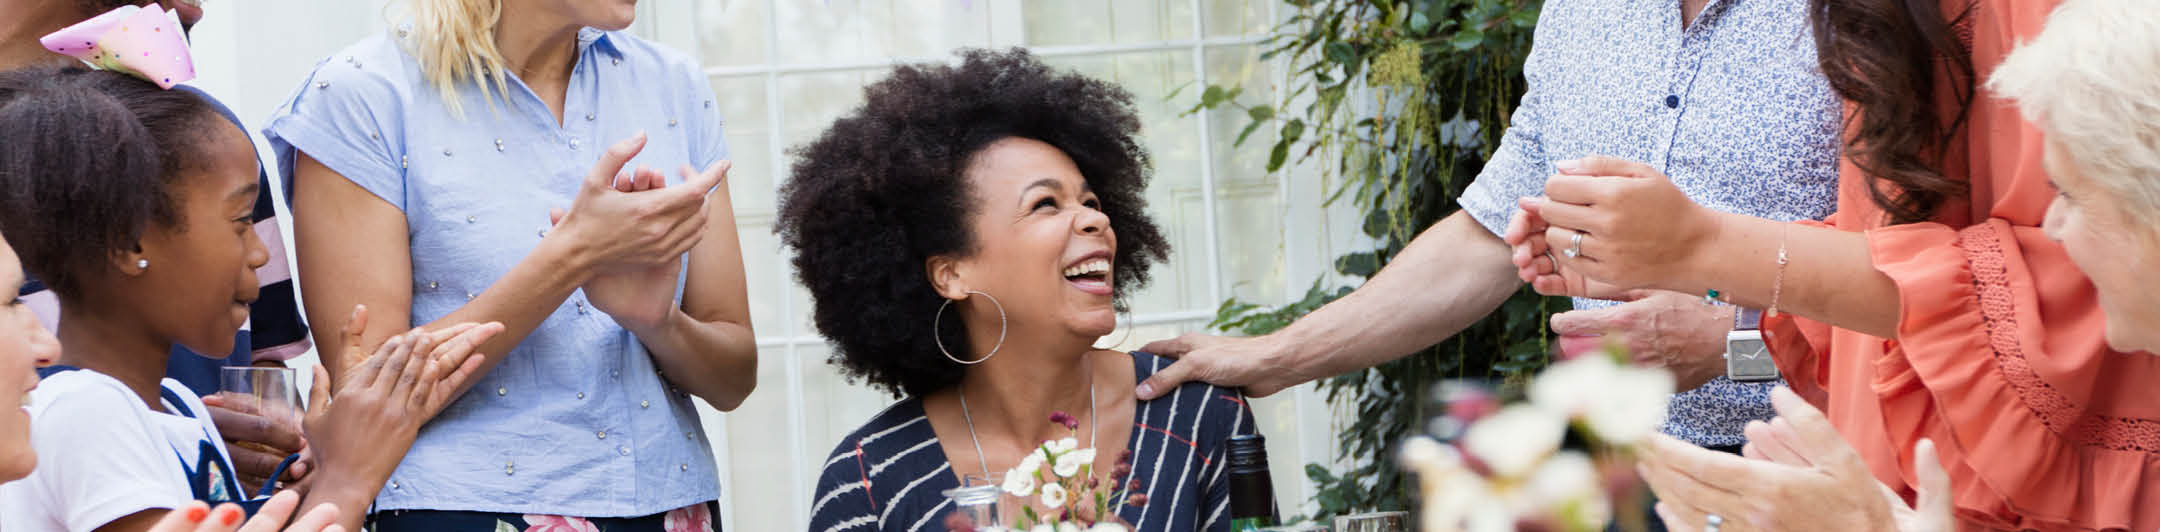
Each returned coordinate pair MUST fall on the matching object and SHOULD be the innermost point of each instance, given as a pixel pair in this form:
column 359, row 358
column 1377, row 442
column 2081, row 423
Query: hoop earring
column 937, row 324
column 1121, row 339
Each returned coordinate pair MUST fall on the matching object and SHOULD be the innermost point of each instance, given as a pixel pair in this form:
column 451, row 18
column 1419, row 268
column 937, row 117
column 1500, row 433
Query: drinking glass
column 269, row 392
column 1372, row 522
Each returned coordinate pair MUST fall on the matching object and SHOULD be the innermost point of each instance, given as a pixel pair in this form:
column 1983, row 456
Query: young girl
column 134, row 205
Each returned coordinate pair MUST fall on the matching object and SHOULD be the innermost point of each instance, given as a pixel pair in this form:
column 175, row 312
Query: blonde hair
column 454, row 40
column 2091, row 83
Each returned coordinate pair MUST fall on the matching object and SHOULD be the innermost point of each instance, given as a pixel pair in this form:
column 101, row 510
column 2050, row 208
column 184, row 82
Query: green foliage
column 1407, row 99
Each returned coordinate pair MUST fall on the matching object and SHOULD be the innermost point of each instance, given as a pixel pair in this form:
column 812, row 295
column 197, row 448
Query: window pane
column 1248, row 202
column 732, row 32
column 832, row 407
column 765, row 272
column 1173, row 142
column 1230, row 18
column 759, row 444
column 1070, row 23
column 749, row 137
column 878, row 30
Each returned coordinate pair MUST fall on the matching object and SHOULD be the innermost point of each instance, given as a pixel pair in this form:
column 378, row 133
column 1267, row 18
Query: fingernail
column 1145, row 390
column 230, row 516
column 1568, row 165
column 195, row 514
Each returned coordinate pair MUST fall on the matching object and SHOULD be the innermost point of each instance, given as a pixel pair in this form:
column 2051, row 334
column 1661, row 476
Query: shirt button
column 644, row 404
column 573, row 143
column 686, row 435
column 588, row 117
column 624, row 450
column 601, row 435
column 618, row 61
column 1672, row 102
column 446, row 152
column 502, row 391
column 471, row 219
column 393, row 484
column 671, row 122
column 686, row 467
column 580, row 307
column 509, row 468
column 498, row 145
column 581, row 395
column 614, row 373
column 431, row 285
column 322, row 84
column 468, row 296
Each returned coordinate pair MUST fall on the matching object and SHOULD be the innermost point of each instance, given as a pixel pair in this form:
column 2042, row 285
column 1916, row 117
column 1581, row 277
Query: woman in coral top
column 1932, row 306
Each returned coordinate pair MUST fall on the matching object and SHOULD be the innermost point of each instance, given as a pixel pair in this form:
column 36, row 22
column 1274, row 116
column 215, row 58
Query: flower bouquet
column 1560, row 461
column 1061, row 476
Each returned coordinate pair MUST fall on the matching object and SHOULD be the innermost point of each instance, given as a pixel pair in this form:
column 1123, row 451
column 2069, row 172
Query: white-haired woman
column 465, row 166
column 2087, row 82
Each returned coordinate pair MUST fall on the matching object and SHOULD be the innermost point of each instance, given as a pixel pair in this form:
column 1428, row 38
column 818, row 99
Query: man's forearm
column 1453, row 274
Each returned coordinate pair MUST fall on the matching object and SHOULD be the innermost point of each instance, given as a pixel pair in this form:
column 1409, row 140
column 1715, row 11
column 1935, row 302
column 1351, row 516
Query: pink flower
column 557, row 523
column 1062, row 418
column 692, row 518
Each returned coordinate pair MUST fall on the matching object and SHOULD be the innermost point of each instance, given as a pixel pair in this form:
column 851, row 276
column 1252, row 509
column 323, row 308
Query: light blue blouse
column 577, row 420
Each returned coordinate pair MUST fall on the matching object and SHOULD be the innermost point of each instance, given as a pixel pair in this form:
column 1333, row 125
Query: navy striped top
column 890, row 475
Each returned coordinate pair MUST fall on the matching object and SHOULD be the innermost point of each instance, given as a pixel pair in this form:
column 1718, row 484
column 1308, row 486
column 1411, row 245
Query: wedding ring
column 1712, row 522
column 1575, row 250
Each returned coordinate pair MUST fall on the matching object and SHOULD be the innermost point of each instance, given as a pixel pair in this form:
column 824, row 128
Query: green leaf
column 1418, row 22
column 1524, row 17
column 1467, row 39
column 1213, row 96
column 1247, row 132
column 1260, row 113
column 1277, row 156
column 1293, row 130
column 504, row 526
column 1341, row 53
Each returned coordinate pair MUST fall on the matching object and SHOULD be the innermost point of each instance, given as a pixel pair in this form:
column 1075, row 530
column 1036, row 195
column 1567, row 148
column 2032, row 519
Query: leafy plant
column 1407, row 99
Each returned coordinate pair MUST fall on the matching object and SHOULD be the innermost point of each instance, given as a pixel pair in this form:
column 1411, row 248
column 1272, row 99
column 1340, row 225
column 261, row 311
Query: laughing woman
column 966, row 236
column 425, row 164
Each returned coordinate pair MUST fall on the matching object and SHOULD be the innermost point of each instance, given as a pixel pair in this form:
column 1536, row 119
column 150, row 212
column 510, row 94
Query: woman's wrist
column 562, row 253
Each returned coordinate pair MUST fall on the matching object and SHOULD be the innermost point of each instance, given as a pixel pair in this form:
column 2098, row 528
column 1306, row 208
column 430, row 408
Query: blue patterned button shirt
column 1733, row 109
column 577, row 420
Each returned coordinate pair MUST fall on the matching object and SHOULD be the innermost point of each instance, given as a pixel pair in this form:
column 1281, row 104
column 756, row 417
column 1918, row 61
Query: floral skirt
column 693, row 518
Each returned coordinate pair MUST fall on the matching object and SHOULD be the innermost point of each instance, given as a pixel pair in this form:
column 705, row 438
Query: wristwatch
column 1747, row 357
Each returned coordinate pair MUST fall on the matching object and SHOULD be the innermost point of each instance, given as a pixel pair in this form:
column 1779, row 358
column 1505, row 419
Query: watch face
column 1748, row 360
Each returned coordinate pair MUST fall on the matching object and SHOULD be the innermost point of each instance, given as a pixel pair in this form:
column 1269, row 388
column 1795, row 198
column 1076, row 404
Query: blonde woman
column 475, row 163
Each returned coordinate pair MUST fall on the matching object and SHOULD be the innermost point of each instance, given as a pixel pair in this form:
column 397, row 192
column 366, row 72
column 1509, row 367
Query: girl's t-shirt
column 103, row 455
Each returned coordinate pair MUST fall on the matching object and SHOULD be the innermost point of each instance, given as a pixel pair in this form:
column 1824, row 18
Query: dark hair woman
column 1932, row 306
column 966, row 235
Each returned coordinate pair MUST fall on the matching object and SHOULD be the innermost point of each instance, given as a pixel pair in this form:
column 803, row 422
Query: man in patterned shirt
column 1724, row 96
column 274, row 332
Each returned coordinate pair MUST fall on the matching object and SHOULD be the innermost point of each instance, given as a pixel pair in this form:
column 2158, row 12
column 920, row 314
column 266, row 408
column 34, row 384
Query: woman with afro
column 966, row 236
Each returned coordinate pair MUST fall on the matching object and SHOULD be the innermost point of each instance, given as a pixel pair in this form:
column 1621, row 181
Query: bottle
column 1252, row 491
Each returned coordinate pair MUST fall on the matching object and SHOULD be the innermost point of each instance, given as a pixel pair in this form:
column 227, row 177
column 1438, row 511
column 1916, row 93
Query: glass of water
column 270, row 392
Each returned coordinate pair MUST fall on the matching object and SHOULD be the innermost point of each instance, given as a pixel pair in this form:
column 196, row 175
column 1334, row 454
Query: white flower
column 1513, row 440
column 1568, row 486
column 1020, row 483
column 1053, row 496
column 1044, row 527
column 1631, row 406
column 1107, row 527
column 1029, row 464
column 1570, row 388
column 1069, row 464
column 1068, row 527
column 1061, row 446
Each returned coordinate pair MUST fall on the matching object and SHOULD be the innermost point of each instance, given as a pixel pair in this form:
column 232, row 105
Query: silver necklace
column 980, row 458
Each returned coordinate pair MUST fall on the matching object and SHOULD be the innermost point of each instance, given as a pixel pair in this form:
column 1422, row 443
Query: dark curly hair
column 86, row 162
column 882, row 191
